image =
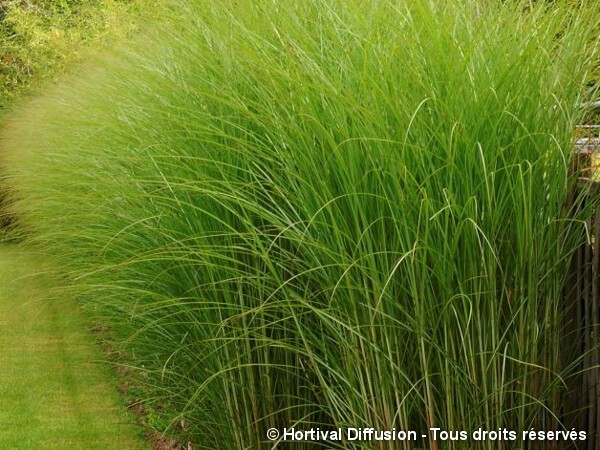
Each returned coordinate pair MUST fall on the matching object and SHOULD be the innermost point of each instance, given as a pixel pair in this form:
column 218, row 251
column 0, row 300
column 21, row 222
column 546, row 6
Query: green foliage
column 38, row 39
column 328, row 213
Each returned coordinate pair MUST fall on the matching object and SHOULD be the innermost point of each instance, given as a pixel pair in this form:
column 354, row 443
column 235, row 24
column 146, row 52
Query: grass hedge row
column 322, row 214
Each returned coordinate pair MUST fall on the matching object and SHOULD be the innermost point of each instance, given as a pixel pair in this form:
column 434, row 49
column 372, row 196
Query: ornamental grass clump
column 322, row 214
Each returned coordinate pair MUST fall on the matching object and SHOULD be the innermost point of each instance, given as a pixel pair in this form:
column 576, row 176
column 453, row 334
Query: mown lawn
column 55, row 393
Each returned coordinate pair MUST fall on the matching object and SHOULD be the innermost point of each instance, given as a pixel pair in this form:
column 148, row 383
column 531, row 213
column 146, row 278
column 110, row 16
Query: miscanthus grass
column 323, row 213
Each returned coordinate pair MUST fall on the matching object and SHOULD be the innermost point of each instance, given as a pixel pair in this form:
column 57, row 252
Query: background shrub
column 39, row 38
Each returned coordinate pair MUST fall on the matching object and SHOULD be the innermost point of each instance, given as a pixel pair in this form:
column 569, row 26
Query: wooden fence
column 581, row 406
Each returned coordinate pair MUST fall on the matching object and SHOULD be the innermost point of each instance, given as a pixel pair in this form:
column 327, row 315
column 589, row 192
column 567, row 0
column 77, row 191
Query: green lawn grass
column 55, row 394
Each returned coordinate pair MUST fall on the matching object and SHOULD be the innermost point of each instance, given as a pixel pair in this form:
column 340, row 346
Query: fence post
column 581, row 340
